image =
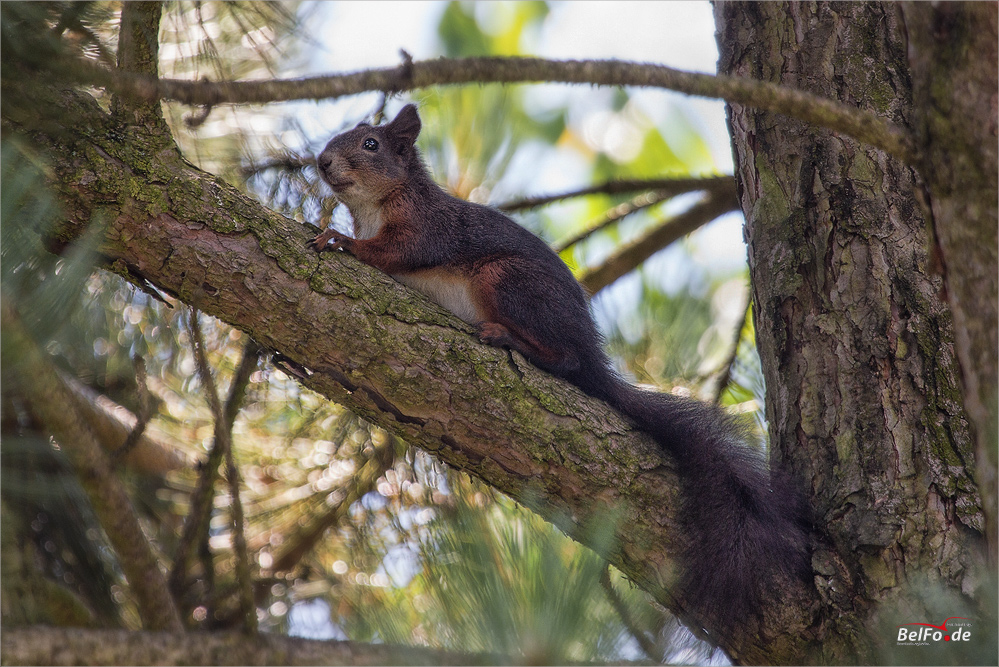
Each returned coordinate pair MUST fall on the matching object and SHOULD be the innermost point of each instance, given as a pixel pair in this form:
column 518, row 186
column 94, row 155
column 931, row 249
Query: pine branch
column 611, row 216
column 726, row 371
column 142, row 419
column 194, row 535
column 240, row 381
column 138, row 54
column 822, row 112
column 284, row 163
column 621, row 609
column 113, row 424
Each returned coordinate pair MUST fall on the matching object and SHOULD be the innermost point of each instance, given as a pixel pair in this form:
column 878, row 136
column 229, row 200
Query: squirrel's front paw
column 320, row 241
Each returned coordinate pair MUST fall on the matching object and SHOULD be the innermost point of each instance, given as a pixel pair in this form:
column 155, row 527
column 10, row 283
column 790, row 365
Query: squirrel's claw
column 319, row 241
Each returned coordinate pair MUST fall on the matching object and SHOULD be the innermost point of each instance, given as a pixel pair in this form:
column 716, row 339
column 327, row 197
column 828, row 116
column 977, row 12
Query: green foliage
column 660, row 338
column 43, row 497
column 463, row 35
column 32, row 32
column 29, row 273
column 497, row 579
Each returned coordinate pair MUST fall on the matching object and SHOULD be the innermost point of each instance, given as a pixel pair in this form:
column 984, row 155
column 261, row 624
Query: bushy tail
column 747, row 527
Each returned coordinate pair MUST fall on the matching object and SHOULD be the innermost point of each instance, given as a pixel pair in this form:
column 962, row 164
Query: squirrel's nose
column 324, row 162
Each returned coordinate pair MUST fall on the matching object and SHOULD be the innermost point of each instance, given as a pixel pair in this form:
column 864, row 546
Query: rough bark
column 953, row 57
column 856, row 338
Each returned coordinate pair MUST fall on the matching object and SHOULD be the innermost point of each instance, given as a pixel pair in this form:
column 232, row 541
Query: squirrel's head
column 366, row 164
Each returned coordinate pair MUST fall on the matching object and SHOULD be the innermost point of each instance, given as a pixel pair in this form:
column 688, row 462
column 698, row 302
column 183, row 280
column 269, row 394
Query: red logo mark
column 942, row 627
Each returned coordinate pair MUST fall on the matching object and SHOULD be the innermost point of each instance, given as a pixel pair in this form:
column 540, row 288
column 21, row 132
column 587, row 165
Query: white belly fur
column 449, row 292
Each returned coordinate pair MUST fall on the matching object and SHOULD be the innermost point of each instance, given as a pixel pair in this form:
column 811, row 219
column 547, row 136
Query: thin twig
column 831, row 114
column 223, row 439
column 241, row 380
column 112, row 423
column 726, row 370
column 360, row 483
column 282, row 162
column 237, row 392
column 195, row 528
column 142, row 418
column 615, row 214
column 630, row 255
column 652, row 651
column 668, row 186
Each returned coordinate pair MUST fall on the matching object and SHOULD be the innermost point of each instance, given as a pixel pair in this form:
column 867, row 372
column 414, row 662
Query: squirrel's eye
column 370, row 145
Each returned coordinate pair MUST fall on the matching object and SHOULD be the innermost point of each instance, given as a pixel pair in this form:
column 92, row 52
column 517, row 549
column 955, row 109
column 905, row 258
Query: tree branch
column 764, row 95
column 108, row 498
column 36, row 645
column 142, row 419
column 648, row 646
column 629, row 256
column 195, row 530
column 283, row 162
column 611, row 216
column 113, row 424
column 666, row 186
column 138, row 52
column 223, row 441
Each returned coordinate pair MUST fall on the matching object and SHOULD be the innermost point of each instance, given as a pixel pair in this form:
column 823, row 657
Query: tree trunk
column 855, row 333
column 953, row 55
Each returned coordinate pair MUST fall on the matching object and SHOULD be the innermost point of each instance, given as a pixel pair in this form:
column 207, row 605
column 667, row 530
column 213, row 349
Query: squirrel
column 746, row 527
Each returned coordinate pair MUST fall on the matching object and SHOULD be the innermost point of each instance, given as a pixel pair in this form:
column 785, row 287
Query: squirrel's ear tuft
column 406, row 125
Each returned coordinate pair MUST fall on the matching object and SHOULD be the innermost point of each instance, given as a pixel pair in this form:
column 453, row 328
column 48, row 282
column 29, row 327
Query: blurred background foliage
column 351, row 534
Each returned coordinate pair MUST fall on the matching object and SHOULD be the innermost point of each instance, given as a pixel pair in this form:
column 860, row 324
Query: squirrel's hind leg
column 497, row 335
column 551, row 360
